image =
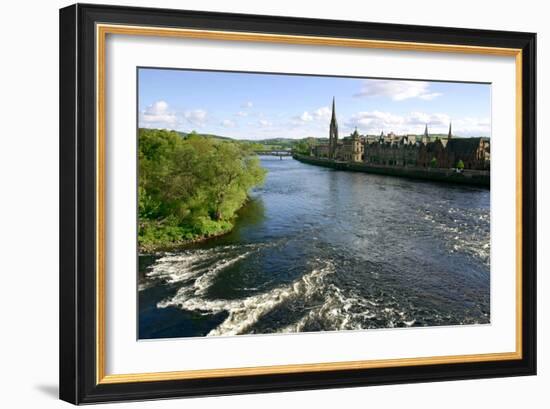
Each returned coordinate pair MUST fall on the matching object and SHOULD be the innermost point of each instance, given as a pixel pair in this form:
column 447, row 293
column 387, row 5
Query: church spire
column 450, row 130
column 333, row 132
column 426, row 131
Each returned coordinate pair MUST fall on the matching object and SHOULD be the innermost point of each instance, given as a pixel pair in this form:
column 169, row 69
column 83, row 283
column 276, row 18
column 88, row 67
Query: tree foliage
column 460, row 165
column 304, row 146
column 191, row 187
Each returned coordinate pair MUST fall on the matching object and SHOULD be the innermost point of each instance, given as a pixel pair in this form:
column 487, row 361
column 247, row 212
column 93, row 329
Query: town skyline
column 263, row 106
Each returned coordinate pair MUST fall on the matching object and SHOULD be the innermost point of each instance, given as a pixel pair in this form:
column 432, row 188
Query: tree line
column 190, row 187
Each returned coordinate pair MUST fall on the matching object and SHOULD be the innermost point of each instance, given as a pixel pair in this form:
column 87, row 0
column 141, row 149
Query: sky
column 261, row 106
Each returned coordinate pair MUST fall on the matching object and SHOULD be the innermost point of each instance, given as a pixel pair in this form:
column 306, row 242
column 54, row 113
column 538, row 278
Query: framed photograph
column 257, row 203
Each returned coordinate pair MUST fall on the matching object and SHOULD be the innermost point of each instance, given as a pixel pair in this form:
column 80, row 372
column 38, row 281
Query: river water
column 318, row 250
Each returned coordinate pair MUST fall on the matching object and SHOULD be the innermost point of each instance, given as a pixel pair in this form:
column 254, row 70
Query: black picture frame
column 78, row 150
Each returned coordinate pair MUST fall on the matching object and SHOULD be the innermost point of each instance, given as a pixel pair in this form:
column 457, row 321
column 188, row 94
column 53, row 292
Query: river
column 317, row 249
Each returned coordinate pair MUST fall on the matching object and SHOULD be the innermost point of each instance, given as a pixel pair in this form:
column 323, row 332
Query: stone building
column 475, row 153
column 320, row 151
column 405, row 150
column 428, row 151
column 351, row 149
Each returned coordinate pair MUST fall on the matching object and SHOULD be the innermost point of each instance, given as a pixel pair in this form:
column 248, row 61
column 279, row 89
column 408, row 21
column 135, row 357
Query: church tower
column 450, row 132
column 333, row 133
column 357, row 147
column 426, row 131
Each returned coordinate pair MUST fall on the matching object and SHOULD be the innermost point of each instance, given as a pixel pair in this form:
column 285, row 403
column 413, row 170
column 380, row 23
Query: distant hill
column 269, row 143
column 257, row 145
column 206, row 135
column 284, row 143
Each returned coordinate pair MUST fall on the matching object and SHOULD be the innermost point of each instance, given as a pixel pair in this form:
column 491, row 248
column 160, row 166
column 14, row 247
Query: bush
column 191, row 187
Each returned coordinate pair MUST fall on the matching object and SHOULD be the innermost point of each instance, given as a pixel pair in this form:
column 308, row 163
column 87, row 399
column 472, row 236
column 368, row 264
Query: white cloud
column 196, row 117
column 320, row 114
column 421, row 118
column 265, row 123
column 247, row 104
column 306, row 117
column 397, row 90
column 241, row 113
column 227, row 123
column 158, row 115
column 374, row 122
column 472, row 126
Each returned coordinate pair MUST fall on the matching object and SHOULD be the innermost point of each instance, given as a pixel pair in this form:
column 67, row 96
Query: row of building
column 405, row 150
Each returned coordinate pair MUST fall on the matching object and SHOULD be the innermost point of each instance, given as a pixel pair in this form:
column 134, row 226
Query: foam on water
column 326, row 306
column 245, row 312
column 467, row 231
column 174, row 268
column 347, row 312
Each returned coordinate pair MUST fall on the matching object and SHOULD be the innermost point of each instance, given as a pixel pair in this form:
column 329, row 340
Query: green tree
column 304, row 146
column 460, row 165
column 433, row 163
column 191, row 187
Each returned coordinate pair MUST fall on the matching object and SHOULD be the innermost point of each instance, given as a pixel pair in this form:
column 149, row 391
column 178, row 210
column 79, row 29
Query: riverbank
column 182, row 242
column 466, row 177
column 152, row 249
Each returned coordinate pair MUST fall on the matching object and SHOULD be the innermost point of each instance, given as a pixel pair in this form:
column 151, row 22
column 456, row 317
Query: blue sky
column 259, row 106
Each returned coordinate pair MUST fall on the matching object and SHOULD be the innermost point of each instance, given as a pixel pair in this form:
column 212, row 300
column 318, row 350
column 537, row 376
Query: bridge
column 279, row 153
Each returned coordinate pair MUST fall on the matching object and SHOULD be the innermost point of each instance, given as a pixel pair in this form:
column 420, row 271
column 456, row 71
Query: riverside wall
column 466, row 177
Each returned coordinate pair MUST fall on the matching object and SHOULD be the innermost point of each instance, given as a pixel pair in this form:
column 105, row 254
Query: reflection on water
column 317, row 249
